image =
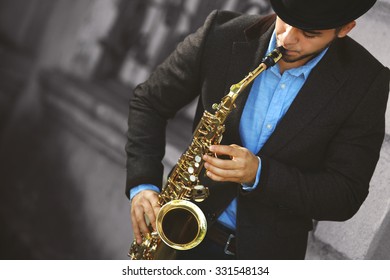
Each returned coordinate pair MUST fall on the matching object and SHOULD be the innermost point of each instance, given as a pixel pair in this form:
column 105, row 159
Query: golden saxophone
column 181, row 225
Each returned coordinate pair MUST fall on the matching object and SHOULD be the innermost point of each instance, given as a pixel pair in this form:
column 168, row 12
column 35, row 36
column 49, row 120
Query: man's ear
column 345, row 29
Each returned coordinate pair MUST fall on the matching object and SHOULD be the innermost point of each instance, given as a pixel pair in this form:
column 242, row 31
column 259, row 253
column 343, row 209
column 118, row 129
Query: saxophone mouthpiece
column 273, row 57
column 281, row 49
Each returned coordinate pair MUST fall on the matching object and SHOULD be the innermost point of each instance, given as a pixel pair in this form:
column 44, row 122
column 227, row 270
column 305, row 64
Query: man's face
column 301, row 45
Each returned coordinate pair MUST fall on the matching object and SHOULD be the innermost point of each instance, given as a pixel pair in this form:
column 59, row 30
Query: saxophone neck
column 227, row 102
column 270, row 60
column 236, row 89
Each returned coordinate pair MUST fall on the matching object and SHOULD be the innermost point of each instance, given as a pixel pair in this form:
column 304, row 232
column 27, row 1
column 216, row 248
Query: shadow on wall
column 40, row 205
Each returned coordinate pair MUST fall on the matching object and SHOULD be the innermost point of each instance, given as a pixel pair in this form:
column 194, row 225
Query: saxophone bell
column 181, row 224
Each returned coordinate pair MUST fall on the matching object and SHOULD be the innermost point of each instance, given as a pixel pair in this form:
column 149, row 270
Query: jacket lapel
column 321, row 86
column 246, row 56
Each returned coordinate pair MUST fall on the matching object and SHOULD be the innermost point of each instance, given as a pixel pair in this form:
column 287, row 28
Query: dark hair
column 338, row 29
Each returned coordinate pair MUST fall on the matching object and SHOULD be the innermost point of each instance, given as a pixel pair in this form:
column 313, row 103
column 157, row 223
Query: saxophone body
column 181, row 225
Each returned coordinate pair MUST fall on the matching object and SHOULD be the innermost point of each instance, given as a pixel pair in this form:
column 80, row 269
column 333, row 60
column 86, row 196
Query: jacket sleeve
column 171, row 86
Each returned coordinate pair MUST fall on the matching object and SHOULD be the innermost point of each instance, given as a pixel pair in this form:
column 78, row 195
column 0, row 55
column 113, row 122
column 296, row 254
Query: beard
column 307, row 57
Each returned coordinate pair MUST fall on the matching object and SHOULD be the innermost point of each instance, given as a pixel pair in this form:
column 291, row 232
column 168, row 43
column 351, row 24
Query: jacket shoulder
column 232, row 24
column 230, row 18
column 356, row 56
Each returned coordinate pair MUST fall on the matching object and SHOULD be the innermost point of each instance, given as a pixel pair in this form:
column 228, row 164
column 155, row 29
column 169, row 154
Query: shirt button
column 269, row 126
column 283, row 86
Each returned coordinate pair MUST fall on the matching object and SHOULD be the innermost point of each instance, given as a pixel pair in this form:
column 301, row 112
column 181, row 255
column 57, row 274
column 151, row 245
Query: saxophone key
column 198, row 158
column 200, row 193
column 193, row 178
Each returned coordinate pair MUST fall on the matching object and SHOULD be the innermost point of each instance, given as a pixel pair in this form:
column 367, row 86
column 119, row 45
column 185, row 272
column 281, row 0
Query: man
column 303, row 141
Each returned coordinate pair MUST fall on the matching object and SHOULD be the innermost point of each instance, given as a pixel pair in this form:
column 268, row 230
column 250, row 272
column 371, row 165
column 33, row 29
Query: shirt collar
column 303, row 70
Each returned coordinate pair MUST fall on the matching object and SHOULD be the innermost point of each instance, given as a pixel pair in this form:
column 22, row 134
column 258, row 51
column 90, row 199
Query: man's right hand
column 144, row 203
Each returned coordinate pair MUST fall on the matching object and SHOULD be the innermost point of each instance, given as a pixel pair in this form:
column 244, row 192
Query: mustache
column 285, row 50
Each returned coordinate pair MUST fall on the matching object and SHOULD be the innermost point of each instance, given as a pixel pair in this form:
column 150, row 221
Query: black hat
column 320, row 14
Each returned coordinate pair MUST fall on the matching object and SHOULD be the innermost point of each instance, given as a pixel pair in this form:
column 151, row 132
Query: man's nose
column 290, row 36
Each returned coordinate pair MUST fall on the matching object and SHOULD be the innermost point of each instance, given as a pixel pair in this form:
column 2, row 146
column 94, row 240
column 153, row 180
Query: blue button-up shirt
column 269, row 99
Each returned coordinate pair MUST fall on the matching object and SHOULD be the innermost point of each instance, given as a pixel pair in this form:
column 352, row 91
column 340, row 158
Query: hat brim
column 301, row 21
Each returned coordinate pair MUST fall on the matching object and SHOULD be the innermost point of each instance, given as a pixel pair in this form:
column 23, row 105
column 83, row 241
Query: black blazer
column 318, row 162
